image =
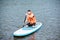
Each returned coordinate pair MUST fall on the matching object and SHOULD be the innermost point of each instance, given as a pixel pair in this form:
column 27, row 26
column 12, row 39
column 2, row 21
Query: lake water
column 12, row 14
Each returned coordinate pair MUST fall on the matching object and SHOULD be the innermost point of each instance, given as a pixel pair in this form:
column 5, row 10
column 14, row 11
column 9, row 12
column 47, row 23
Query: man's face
column 29, row 13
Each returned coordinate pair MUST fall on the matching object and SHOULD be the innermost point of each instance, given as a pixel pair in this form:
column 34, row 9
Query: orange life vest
column 31, row 18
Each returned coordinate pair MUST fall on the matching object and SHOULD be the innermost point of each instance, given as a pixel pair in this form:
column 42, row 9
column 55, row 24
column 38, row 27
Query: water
column 12, row 14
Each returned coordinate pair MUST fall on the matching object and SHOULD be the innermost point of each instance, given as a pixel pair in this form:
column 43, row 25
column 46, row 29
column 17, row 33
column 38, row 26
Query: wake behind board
column 27, row 30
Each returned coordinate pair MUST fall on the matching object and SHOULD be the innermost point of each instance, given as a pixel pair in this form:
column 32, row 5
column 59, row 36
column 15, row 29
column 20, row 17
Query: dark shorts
column 31, row 24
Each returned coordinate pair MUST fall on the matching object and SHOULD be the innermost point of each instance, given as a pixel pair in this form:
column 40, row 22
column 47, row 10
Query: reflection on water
column 46, row 11
column 32, row 37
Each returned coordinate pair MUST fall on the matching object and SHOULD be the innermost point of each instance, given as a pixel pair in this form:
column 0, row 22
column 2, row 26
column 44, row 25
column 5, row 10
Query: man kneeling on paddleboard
column 30, row 18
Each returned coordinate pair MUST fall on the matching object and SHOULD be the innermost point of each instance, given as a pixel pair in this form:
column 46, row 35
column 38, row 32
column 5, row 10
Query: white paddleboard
column 27, row 30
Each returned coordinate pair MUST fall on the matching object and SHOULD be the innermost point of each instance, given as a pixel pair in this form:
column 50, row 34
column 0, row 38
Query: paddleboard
column 27, row 30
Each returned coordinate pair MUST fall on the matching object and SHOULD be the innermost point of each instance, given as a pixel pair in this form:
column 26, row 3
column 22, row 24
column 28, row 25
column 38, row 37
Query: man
column 30, row 18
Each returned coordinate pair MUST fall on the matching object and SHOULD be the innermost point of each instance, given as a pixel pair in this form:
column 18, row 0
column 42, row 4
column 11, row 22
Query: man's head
column 29, row 12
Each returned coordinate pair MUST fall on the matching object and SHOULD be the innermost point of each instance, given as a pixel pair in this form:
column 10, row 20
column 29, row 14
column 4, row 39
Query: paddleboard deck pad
column 27, row 30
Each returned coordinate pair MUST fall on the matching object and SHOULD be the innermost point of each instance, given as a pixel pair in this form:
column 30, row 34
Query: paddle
column 25, row 21
column 24, row 24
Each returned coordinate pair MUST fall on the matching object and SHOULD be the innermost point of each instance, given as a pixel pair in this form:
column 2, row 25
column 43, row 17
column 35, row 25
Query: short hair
column 29, row 10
